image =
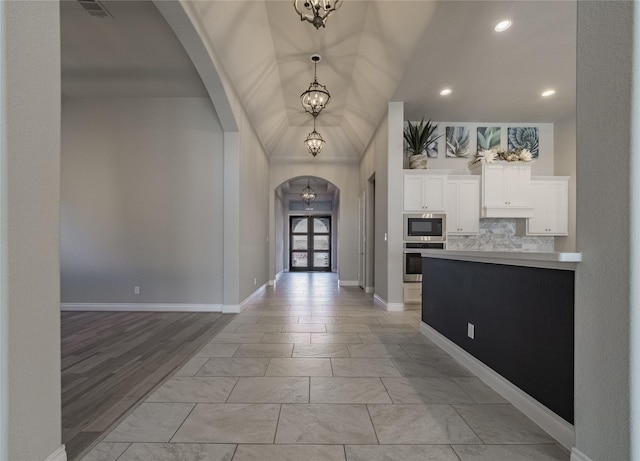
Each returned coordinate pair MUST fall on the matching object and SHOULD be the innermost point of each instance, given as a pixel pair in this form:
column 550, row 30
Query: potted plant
column 418, row 138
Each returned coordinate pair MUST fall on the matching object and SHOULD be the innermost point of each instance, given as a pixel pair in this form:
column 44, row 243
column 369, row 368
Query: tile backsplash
column 499, row 234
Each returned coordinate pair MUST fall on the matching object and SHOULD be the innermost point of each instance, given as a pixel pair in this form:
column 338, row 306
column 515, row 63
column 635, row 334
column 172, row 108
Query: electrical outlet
column 136, row 290
column 471, row 330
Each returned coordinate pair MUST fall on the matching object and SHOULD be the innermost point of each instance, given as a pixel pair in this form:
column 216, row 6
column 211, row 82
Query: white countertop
column 554, row 260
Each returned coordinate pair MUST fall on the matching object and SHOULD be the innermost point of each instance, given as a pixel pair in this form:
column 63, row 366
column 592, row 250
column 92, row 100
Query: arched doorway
column 307, row 233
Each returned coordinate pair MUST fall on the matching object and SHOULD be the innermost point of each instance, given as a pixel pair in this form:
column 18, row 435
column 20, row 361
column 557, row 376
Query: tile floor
column 316, row 372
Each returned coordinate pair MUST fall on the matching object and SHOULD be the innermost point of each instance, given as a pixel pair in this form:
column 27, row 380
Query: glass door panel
column 310, row 243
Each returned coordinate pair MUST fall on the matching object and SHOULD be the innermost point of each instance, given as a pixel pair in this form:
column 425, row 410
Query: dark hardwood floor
column 111, row 360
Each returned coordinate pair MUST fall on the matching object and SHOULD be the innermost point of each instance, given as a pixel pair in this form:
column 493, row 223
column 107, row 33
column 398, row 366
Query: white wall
column 279, row 233
column 254, row 213
column 602, row 360
column 565, row 165
column 142, row 185
column 345, row 178
column 30, row 416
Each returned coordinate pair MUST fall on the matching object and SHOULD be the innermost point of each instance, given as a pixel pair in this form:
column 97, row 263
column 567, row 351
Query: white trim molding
column 141, row 307
column 577, row 455
column 557, row 427
column 59, row 455
column 349, row 283
column 237, row 308
column 389, row 307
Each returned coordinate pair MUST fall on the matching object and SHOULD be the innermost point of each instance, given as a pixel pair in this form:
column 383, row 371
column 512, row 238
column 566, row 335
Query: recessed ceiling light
column 502, row 25
column 548, row 93
column 445, row 92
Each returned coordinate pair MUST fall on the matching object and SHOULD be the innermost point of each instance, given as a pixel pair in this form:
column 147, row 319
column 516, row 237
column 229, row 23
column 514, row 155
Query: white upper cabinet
column 506, row 190
column 550, row 200
column 463, row 205
column 424, row 192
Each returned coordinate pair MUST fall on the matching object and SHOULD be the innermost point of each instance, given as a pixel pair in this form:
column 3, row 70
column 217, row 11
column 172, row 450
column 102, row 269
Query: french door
column 310, row 243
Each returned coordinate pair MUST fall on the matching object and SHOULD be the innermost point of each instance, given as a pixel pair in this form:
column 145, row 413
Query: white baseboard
column 577, row 455
column 237, row 308
column 349, row 283
column 389, row 307
column 395, row 307
column 368, row 289
column 378, row 301
column 557, row 427
column 141, row 307
column 59, row 455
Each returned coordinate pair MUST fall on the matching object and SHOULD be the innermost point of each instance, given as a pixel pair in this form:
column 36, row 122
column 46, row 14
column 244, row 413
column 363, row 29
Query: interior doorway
column 310, row 243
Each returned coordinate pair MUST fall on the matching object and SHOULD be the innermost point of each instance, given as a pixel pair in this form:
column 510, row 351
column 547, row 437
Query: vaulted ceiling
column 372, row 52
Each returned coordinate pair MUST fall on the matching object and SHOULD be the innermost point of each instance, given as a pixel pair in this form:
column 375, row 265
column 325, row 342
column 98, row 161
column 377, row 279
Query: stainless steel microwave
column 425, row 227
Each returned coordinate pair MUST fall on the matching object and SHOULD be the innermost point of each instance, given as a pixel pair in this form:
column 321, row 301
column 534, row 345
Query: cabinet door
column 433, row 193
column 538, row 224
column 558, row 208
column 452, row 207
column 518, row 185
column 413, row 193
column 550, row 201
column 494, row 186
column 469, row 206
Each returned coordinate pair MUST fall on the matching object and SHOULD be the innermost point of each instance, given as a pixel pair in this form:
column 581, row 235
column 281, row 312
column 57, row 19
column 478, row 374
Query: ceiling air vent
column 95, row 8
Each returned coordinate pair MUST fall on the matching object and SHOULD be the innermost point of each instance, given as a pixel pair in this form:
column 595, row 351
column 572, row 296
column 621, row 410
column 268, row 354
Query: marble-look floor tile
column 380, row 351
column 151, row 422
column 286, row 338
column 264, row 350
column 502, row 423
column 193, row 389
column 289, row 453
column 271, row 390
column 347, row 328
column 363, row 368
column 299, row 367
column 229, row 423
column 320, row 350
column 259, row 328
column 392, row 329
column 192, row 367
column 178, row 452
column 335, row 338
column 479, row 391
column 106, row 451
column 348, row 390
column 400, row 453
column 237, row 338
column 549, row 452
column 425, row 391
column 304, row 328
column 370, row 320
column 234, row 367
column 325, row 424
column 421, row 368
column 425, row 351
column 317, row 319
column 280, row 319
column 385, row 338
column 218, row 350
column 420, row 424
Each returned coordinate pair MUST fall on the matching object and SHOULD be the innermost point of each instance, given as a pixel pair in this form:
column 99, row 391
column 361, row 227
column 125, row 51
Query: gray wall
column 142, row 184
column 565, row 165
column 30, row 414
column 604, row 127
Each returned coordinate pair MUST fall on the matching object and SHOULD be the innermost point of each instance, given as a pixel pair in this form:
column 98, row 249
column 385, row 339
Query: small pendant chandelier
column 317, row 96
column 317, row 10
column 308, row 195
column 314, row 141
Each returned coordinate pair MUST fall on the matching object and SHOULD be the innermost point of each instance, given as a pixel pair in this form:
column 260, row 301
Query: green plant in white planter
column 418, row 137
